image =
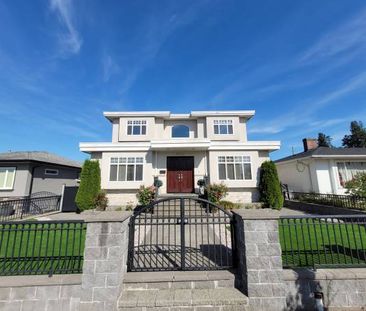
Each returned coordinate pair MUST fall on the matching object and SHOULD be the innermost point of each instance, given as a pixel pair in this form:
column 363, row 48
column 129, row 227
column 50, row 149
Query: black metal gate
column 181, row 234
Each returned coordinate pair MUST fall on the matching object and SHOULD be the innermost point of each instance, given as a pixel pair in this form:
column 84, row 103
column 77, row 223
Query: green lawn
column 44, row 248
column 313, row 243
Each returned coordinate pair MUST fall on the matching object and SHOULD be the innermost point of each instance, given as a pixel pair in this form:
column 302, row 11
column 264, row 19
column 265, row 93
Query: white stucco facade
column 203, row 143
column 319, row 174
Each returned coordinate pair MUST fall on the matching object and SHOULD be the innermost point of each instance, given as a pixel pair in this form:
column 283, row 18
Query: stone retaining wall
column 343, row 289
column 33, row 293
column 98, row 287
column 321, row 209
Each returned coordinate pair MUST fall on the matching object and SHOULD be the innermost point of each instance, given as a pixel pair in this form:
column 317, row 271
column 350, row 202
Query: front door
column 180, row 174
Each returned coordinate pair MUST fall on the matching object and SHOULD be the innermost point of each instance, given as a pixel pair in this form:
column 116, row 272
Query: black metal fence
column 47, row 247
column 18, row 209
column 181, row 234
column 323, row 241
column 347, row 201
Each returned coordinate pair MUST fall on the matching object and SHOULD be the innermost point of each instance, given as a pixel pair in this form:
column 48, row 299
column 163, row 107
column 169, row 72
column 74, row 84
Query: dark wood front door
column 180, row 174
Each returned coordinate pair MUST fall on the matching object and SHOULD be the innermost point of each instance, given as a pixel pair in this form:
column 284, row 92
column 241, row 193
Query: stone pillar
column 259, row 255
column 105, row 257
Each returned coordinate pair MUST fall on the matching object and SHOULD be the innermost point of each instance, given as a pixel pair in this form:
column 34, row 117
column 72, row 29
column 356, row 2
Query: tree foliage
column 324, row 140
column 269, row 186
column 89, row 185
column 357, row 138
column 357, row 186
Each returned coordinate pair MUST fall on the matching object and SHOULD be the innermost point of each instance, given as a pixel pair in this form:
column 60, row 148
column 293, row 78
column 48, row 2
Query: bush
column 216, row 192
column 269, row 186
column 101, row 201
column 228, row 205
column 146, row 195
column 357, row 186
column 89, row 185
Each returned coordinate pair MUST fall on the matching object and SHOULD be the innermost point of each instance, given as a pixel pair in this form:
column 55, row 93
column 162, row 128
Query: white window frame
column 346, row 170
column 2, row 187
column 136, row 123
column 227, row 123
column 126, row 161
column 235, row 161
column 51, row 172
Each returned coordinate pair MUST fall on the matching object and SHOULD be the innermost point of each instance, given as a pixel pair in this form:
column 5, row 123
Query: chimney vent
column 310, row 143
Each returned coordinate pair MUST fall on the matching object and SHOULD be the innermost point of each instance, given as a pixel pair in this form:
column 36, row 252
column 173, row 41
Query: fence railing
column 323, row 241
column 347, row 201
column 20, row 208
column 47, row 247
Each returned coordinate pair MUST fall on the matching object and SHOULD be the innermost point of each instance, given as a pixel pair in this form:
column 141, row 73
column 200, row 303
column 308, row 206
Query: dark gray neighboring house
column 26, row 173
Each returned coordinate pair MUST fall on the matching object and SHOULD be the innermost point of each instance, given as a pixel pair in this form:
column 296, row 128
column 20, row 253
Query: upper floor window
column 7, row 176
column 136, row 127
column 126, row 169
column 235, row 167
column 348, row 170
column 223, row 127
column 180, row 131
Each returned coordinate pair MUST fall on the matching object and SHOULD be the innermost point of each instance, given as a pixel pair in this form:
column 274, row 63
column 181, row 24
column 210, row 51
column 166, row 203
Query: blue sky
column 300, row 64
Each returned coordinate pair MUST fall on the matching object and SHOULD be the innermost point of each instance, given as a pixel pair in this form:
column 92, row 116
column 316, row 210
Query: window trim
column 126, row 163
column 7, row 168
column 227, row 179
column 228, row 123
column 56, row 172
column 131, row 123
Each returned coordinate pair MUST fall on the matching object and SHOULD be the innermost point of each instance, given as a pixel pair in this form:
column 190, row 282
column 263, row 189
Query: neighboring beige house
column 179, row 149
column 321, row 169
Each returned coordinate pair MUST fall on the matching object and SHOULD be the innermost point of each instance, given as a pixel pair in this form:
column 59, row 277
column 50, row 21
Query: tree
column 357, row 186
column 269, row 186
column 89, row 185
column 357, row 139
column 324, row 140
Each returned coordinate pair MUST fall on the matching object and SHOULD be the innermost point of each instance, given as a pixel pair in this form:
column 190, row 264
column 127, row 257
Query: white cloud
column 306, row 112
column 70, row 40
column 346, row 38
column 109, row 67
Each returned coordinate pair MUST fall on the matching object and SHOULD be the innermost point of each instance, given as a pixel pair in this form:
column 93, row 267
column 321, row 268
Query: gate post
column 259, row 257
column 182, row 237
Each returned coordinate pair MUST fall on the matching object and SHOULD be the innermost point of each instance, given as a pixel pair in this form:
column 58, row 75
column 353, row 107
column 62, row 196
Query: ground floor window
column 348, row 170
column 7, row 175
column 126, row 169
column 234, row 167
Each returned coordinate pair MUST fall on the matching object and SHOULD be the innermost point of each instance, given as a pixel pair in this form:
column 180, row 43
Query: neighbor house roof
column 38, row 156
column 325, row 152
column 110, row 115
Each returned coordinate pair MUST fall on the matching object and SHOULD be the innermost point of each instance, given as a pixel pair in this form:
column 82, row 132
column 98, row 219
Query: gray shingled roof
column 38, row 156
column 324, row 151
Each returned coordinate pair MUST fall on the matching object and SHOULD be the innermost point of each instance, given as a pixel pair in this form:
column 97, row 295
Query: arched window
column 180, row 131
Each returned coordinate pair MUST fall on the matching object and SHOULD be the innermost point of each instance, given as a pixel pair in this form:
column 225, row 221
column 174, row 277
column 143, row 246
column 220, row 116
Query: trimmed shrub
column 269, row 186
column 89, row 185
column 101, row 201
column 216, row 192
column 146, row 195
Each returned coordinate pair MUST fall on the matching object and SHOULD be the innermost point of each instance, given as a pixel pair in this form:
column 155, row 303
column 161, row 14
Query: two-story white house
column 179, row 149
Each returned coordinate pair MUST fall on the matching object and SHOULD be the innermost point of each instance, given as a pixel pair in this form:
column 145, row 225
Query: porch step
column 179, row 280
column 189, row 290
column 186, row 299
